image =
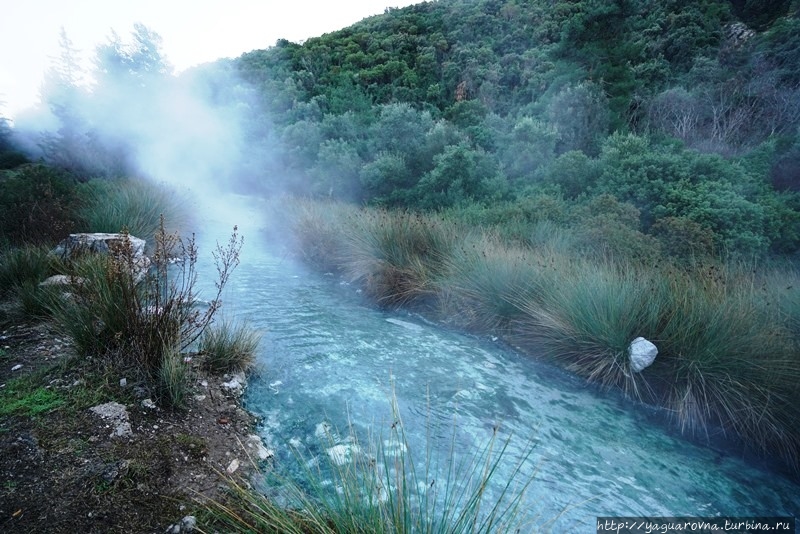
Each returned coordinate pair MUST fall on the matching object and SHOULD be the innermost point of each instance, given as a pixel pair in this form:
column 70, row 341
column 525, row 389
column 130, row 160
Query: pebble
column 123, row 382
column 233, row 466
column 17, row 367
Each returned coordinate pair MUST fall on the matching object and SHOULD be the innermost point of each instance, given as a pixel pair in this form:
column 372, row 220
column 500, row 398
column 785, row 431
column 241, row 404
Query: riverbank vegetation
column 726, row 332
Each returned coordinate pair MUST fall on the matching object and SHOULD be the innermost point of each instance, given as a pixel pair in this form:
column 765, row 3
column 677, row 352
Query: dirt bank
column 62, row 470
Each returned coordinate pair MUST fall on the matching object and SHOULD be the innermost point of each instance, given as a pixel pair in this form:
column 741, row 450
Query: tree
column 336, row 173
column 460, row 174
column 531, row 145
column 579, row 113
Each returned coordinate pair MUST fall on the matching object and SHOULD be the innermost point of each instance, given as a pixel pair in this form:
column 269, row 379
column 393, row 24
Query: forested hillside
column 674, row 124
column 650, row 128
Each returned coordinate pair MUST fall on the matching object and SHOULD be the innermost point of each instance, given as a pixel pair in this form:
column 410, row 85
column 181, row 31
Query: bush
column 228, row 347
column 22, row 270
column 485, row 277
column 134, row 205
column 397, row 257
column 28, row 264
column 728, row 359
column 150, row 322
column 36, row 205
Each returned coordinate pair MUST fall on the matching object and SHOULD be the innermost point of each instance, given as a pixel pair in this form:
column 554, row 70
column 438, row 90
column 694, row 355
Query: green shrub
column 22, row 270
column 228, row 347
column 36, row 205
column 28, row 264
column 110, row 312
column 131, row 204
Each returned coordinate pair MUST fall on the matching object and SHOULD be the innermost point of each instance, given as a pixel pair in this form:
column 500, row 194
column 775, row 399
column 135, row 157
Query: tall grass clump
column 729, row 359
column 145, row 320
column 318, row 230
column 398, row 257
column 28, row 264
column 228, row 347
column 379, row 488
column 484, row 280
column 135, row 205
column 22, row 270
column 586, row 315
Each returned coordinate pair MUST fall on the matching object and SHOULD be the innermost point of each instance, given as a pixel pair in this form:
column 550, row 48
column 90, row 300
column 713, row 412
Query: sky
column 193, row 31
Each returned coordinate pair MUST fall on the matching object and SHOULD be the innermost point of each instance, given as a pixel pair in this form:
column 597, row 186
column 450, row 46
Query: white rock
column 233, row 466
column 17, row 367
column 123, row 382
column 322, row 430
column 117, row 414
column 262, row 453
column 122, row 430
column 236, row 385
column 404, row 324
column 149, row 404
column 110, row 410
column 642, row 354
column 62, row 280
column 187, row 524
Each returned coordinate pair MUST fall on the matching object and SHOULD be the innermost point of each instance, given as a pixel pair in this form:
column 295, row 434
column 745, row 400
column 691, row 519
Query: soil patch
column 63, row 468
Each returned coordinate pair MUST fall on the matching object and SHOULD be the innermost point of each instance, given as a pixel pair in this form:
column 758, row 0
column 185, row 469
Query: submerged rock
column 256, row 445
column 342, row 454
column 642, row 354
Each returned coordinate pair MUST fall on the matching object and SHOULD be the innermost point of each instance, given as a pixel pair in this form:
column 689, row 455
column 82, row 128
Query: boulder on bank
column 642, row 354
column 99, row 243
column 116, row 245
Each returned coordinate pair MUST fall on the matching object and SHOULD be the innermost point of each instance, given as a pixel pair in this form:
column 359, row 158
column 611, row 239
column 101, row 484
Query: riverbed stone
column 642, row 354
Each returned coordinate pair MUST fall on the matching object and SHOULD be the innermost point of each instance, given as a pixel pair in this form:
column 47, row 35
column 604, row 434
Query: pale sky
column 193, row 31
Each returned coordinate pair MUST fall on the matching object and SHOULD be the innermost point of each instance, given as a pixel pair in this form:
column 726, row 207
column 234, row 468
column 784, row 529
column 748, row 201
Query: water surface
column 330, row 360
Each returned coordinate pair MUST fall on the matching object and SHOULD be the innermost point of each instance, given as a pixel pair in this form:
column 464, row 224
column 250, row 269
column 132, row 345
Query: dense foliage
column 685, row 111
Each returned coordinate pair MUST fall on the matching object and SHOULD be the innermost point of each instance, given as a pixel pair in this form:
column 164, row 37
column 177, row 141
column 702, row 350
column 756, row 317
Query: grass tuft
column 135, row 205
column 228, row 347
column 378, row 487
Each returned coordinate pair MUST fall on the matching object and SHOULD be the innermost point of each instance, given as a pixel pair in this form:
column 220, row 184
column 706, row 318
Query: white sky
column 193, row 31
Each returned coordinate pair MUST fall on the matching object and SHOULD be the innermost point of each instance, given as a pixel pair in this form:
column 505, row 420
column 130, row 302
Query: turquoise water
column 329, row 360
